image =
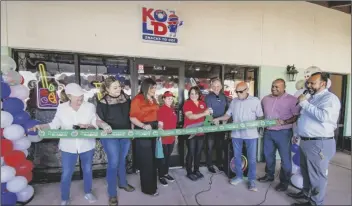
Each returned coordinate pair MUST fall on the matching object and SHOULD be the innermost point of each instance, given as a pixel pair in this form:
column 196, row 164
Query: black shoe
column 266, row 178
column 199, row 175
column 128, row 188
column 163, row 182
column 299, row 195
column 281, row 187
column 192, row 177
column 221, row 168
column 302, row 204
column 169, row 178
column 211, row 169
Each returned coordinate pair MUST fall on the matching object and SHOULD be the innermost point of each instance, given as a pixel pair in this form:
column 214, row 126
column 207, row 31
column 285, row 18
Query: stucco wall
column 256, row 33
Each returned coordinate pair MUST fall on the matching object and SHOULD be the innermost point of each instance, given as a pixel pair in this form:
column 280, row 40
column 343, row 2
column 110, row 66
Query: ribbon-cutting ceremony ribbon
column 58, row 134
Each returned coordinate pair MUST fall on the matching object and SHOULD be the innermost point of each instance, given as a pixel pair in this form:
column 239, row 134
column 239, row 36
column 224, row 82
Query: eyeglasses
column 240, row 91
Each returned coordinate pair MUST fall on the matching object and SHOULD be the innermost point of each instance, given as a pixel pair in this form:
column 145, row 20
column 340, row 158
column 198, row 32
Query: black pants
column 215, row 140
column 194, row 147
column 147, row 163
column 164, row 163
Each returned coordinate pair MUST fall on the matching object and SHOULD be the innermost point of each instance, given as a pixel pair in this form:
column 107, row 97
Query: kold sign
column 160, row 25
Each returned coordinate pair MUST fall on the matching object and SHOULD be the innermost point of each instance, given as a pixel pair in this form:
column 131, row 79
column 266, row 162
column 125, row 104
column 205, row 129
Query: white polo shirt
column 66, row 117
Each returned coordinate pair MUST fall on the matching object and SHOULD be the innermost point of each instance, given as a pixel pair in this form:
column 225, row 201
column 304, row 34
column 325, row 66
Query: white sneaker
column 65, row 202
column 90, row 197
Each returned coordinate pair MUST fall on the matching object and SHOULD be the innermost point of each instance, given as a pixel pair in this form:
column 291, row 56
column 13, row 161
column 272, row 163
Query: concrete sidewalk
column 183, row 191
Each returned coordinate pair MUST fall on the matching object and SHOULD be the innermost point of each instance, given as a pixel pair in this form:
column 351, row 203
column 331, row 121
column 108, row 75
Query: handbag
column 159, row 153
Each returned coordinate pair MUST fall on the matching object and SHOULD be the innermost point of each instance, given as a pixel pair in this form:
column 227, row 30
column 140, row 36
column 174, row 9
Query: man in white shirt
column 315, row 126
column 76, row 112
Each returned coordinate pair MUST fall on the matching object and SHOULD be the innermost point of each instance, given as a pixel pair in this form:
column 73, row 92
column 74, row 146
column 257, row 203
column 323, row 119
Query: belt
column 316, row 138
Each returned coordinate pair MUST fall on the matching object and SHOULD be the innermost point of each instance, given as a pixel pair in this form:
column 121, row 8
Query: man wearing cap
column 217, row 101
column 167, row 119
column 244, row 108
column 315, row 126
column 281, row 106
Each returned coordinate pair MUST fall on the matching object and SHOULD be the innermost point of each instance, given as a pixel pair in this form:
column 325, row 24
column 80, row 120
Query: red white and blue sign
column 160, row 25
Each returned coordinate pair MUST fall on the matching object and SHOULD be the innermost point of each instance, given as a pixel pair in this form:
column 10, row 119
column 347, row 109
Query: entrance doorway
column 339, row 87
column 167, row 76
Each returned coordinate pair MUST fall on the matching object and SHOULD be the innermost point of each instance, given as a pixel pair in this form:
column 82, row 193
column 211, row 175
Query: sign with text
column 160, row 25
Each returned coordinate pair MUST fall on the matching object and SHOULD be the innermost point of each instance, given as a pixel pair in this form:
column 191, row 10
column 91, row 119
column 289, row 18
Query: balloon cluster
column 16, row 170
column 296, row 178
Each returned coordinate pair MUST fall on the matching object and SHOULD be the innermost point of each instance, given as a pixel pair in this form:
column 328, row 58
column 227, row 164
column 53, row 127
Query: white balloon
column 299, row 92
column 25, row 194
column 297, row 180
column 2, row 161
column 14, row 132
column 12, row 78
column 7, row 64
column 328, row 85
column 296, row 169
column 17, row 184
column 7, row 173
column 19, row 91
column 34, row 138
column 25, row 152
column 6, row 119
column 21, row 144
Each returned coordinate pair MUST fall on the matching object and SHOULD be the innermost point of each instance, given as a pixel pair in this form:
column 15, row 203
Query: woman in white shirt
column 76, row 113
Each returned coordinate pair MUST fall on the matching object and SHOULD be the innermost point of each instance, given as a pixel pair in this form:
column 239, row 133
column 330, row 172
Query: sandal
column 128, row 188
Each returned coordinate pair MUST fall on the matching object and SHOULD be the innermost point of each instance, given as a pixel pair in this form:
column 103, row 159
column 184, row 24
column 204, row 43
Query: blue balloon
column 1, row 79
column 21, row 118
column 295, row 148
column 13, row 105
column 296, row 159
column 5, row 90
column 8, row 198
column 29, row 124
column 3, row 187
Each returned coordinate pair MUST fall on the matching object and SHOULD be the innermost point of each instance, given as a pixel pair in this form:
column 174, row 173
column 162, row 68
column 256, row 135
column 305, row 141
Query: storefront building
column 179, row 44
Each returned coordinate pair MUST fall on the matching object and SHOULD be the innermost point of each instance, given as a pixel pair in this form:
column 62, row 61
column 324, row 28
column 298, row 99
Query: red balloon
column 14, row 158
column 1, row 132
column 28, row 176
column 22, row 79
column 25, row 167
column 6, row 147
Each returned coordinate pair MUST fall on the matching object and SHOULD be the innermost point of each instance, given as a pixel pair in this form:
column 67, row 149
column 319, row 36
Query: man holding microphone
column 315, row 126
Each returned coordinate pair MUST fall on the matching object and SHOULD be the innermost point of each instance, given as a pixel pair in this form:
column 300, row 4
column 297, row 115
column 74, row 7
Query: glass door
column 166, row 74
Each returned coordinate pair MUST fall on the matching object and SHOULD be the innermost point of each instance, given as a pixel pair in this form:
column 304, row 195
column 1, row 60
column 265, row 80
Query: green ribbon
column 58, row 134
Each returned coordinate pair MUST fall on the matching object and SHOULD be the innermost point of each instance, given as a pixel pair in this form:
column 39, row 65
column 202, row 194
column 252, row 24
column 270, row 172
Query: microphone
column 304, row 93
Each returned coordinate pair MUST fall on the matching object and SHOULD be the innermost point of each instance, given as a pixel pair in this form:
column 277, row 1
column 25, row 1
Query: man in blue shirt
column 315, row 127
column 244, row 108
column 217, row 101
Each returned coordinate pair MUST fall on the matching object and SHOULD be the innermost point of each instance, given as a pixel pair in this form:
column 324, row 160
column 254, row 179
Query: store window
column 166, row 78
column 200, row 75
column 93, row 70
column 237, row 74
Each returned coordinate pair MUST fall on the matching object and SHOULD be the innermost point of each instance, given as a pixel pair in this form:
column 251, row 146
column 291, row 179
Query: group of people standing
column 116, row 111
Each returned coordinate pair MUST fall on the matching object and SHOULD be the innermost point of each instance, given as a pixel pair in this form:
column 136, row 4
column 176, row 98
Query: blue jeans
column 251, row 146
column 116, row 151
column 69, row 161
column 281, row 140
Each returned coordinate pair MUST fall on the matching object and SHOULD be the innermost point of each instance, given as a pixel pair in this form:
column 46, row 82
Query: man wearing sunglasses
column 244, row 108
column 281, row 106
column 217, row 101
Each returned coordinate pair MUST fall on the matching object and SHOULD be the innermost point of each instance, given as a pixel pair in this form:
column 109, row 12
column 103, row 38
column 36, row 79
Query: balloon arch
column 16, row 170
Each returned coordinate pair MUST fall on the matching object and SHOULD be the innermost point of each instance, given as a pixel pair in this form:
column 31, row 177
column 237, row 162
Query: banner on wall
column 160, row 25
column 47, row 88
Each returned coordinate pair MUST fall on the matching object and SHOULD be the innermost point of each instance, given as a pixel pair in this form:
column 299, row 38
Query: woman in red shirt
column 167, row 119
column 143, row 115
column 195, row 111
